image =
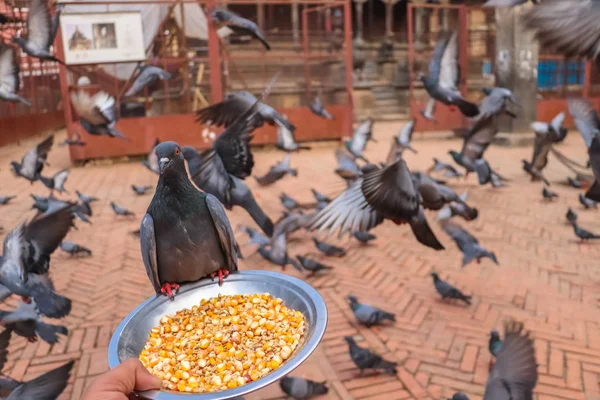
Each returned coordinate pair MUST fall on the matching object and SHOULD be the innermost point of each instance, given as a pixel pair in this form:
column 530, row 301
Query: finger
column 144, row 380
column 123, row 378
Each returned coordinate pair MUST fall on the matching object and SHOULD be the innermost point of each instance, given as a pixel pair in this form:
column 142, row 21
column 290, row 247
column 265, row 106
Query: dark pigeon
column 73, row 141
column 121, row 210
column 587, row 203
column 311, row 265
column 364, row 237
column 583, row 234
column 97, row 114
column 486, row 174
column 548, row 194
column 277, row 172
column 302, row 389
column 33, row 162
column 25, row 321
column 237, row 24
column 6, row 199
column 57, row 181
column 467, row 243
column 148, row 74
column 185, row 234
column 574, row 182
column 141, row 190
column 277, row 253
column 459, row 209
column 495, row 343
column 10, row 75
column 319, row 110
column 369, row 315
column 571, row 216
column 41, row 30
column 593, row 192
column 459, row 396
column 47, row 386
column 328, row 249
column 366, row 359
column 447, row 291
column 74, row 249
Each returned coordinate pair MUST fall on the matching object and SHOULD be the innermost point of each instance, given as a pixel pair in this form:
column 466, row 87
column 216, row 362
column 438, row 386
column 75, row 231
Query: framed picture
column 99, row 38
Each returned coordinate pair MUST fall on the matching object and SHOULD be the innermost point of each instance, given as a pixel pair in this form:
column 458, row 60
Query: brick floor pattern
column 545, row 278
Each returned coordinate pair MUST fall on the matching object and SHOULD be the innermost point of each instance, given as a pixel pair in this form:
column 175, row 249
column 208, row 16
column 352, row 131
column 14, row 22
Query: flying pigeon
column 277, row 253
column 459, row 209
column 6, row 199
column 44, row 204
column 585, row 117
column 224, row 17
column 366, row 359
column 148, row 74
column 485, row 174
column 448, row 170
column 10, row 81
column 360, row 137
column 467, row 243
column 291, row 222
column 25, row 321
column 141, row 190
column 319, row 110
column 33, row 162
column 347, row 167
column 571, row 216
column 288, row 202
column 276, row 172
column 57, row 181
column 286, row 140
column 121, row 210
column 447, row 291
column 311, row 265
column 49, row 385
column 320, row 197
column 328, row 249
column 97, row 113
column 369, row 315
column 74, row 141
column 587, row 203
column 429, row 111
column 74, row 249
column 548, row 194
column 405, row 136
column 41, row 30
column 185, row 234
column 302, row 389
column 364, row 237
column 84, row 198
column 151, row 161
column 545, row 136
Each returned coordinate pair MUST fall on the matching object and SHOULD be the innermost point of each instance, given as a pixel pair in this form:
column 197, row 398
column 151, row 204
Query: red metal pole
column 305, row 53
column 587, row 79
column 214, row 60
column 411, row 54
column 349, row 80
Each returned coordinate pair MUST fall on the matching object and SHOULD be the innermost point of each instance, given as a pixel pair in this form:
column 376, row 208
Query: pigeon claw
column 32, row 339
column 222, row 273
column 479, row 261
column 26, row 300
column 169, row 289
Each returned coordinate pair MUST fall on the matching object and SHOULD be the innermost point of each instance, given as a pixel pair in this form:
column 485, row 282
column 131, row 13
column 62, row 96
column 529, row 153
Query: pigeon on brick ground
column 311, row 265
column 185, row 234
column 467, row 243
column 302, row 389
column 366, row 359
column 74, row 249
column 548, row 194
column 448, row 291
column 571, row 216
column 121, row 210
column 25, row 321
column 369, row 315
column 587, row 203
column 329, row 250
column 583, row 234
column 277, row 253
column 364, row 237
column 6, row 199
column 141, row 190
column 459, row 396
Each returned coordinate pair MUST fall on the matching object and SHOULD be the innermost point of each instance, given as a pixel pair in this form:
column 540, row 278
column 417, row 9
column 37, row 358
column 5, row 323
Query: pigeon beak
column 163, row 163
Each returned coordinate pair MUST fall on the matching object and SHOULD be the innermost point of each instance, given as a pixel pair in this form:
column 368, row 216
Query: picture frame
column 101, row 38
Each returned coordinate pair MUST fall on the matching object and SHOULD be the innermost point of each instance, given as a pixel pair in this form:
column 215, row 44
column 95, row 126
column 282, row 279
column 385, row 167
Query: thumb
column 144, row 380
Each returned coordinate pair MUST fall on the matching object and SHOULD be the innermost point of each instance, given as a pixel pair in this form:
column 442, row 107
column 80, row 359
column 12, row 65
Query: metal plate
column 131, row 334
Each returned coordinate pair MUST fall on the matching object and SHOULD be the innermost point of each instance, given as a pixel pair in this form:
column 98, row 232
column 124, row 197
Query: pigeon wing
column 9, row 69
column 586, row 118
column 148, row 245
column 86, row 108
column 449, row 64
column 38, row 25
column 48, row 230
column 479, row 138
column 227, row 111
column 47, row 386
column 223, row 228
column 213, row 178
column 435, row 64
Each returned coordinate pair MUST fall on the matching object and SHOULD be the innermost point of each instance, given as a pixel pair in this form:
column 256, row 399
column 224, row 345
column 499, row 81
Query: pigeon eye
column 177, row 152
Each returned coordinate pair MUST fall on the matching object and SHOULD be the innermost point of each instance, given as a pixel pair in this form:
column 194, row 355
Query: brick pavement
column 545, row 279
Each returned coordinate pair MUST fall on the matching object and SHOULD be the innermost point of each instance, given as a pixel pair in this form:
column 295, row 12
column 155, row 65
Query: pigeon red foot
column 26, row 300
column 222, row 273
column 169, row 289
column 361, row 374
column 32, row 339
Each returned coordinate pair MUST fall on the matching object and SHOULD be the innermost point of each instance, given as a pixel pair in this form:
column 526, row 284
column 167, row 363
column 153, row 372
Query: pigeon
column 10, row 81
column 6, row 199
column 255, row 236
column 574, row 182
column 585, row 117
column 467, row 243
column 448, row 170
column 97, row 113
column 276, row 172
column 319, row 110
column 224, row 17
column 366, row 359
column 148, row 74
column 302, row 389
column 429, row 111
column 587, row 203
column 583, row 234
column 496, row 102
column 288, row 202
column 277, row 253
column 369, row 315
column 475, row 144
column 44, row 204
column 459, row 396
column 151, row 161
column 459, row 209
column 47, row 386
column 84, row 198
column 120, row 210
column 141, row 190
column 57, row 181
column 311, row 265
column 405, row 136
column 495, row 343
column 74, row 141
column 25, row 321
column 364, row 237
column 361, row 135
column 593, row 192
column 33, row 162
column 441, row 83
column 347, row 167
column 328, row 249
column 433, row 195
column 185, row 234
column 447, row 291
column 74, row 249
column 320, row 197
column 291, row 222
column 379, row 194
column 571, row 216
column 554, row 129
column 286, row 140
column 486, row 174
column 26, row 259
column 514, row 374
column 41, row 30
column 548, row 194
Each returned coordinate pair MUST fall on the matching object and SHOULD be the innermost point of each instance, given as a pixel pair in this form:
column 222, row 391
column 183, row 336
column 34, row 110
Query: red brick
column 469, row 357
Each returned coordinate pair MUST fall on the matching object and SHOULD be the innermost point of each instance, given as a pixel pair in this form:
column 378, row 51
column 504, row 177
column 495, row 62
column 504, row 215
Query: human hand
column 120, row 381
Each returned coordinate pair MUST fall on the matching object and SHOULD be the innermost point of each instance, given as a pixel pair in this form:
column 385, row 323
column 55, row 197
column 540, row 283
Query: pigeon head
column 435, row 276
column 455, row 155
column 320, row 388
column 16, row 167
column 169, row 155
column 494, row 335
column 353, row 300
column 487, row 91
column 349, row 339
column 18, row 40
column 219, row 15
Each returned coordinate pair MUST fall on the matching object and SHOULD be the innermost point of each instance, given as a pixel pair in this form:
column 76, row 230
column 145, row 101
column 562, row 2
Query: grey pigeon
column 121, row 210
column 9, row 75
column 360, row 137
column 151, row 161
column 587, row 203
column 84, row 198
column 6, row 199
column 319, row 110
column 583, row 234
column 369, row 315
column 405, row 136
column 185, row 234
column 433, row 195
column 459, row 209
column 366, row 359
column 224, row 17
column 574, row 182
column 429, row 111
column 545, row 136
column 277, row 172
column 571, row 216
column 302, row 389
column 514, row 374
column 255, row 236
column 41, row 30
column 486, row 174
column 467, row 243
column 459, row 396
column 26, row 259
column 51, row 203
column 328, row 249
column 320, row 197
column 311, row 265
column 548, row 194
column 57, row 181
column 447, row 291
column 286, row 140
column 593, row 192
column 47, row 386
column 448, row 170
column 585, row 118
column 291, row 222
column 33, row 162
column 25, row 321
column 347, row 167
column 74, row 249
column 97, row 114
column 495, row 343
column 141, row 190
column 73, row 141
column 381, row 193
column 277, row 253
column 364, row 237
column 148, row 74
column 288, row 202
column 441, row 83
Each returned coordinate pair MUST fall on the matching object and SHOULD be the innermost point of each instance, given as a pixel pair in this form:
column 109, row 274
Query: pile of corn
column 223, row 343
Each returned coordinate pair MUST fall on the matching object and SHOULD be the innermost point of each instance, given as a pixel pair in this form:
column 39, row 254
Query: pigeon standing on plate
column 277, row 253
column 311, row 265
column 366, row 359
column 141, row 190
column 447, row 291
column 151, row 162
column 74, row 141
column 97, row 113
column 587, row 203
column 319, row 110
column 41, row 30
column 548, row 194
column 444, row 75
column 224, row 17
column 364, row 237
column 33, row 162
column 571, row 216
column 467, row 243
column 369, row 315
column 360, row 137
column 328, row 249
column 74, row 249
column 121, row 210
column 185, row 234
column 25, row 321
column 10, row 80
column 276, row 172
column 57, row 181
column 286, row 140
column 302, row 389
column 148, row 74
column 583, row 234
column 6, row 199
